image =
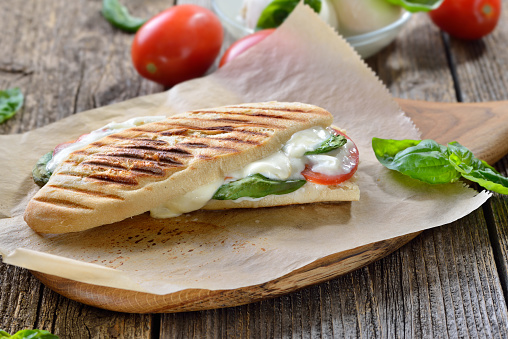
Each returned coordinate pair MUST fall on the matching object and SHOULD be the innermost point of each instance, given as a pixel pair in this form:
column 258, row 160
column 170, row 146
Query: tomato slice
column 324, row 179
column 63, row 145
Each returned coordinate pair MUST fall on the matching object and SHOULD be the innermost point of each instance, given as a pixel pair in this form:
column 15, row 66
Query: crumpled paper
column 304, row 61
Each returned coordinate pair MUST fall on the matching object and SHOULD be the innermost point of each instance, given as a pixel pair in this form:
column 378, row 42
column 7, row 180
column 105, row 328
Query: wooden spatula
column 481, row 127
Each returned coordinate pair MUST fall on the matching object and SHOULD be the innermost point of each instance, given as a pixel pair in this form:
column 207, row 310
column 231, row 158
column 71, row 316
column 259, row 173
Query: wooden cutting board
column 482, row 127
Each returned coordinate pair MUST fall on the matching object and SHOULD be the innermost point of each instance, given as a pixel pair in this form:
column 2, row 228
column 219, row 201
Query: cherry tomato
column 467, row 19
column 244, row 44
column 323, row 179
column 178, row 44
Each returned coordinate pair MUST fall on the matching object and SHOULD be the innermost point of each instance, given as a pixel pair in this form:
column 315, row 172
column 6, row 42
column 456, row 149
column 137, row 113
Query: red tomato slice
column 63, row 145
column 240, row 46
column 323, row 179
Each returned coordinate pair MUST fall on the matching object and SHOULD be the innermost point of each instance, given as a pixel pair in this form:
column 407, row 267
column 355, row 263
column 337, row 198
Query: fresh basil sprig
column 333, row 142
column 278, row 10
column 118, row 16
column 256, row 186
column 11, row 101
column 40, row 173
column 28, row 334
column 417, row 5
column 430, row 162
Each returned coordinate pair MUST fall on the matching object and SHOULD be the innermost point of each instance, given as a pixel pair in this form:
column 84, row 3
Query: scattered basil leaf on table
column 332, row 143
column 417, row 5
column 28, row 334
column 430, row 162
column 118, row 16
column 40, row 174
column 11, row 101
column 278, row 10
column 256, row 186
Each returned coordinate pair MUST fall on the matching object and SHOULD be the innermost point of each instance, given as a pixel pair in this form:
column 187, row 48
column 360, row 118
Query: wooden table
column 450, row 281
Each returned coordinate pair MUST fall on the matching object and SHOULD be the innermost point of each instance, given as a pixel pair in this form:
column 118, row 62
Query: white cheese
column 112, row 127
column 189, row 202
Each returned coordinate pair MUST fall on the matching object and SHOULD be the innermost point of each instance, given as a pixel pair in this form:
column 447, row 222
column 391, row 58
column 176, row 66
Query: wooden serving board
column 482, row 127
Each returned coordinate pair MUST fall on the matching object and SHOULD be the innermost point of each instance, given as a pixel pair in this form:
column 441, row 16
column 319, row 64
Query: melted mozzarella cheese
column 290, row 161
column 112, row 127
column 189, row 202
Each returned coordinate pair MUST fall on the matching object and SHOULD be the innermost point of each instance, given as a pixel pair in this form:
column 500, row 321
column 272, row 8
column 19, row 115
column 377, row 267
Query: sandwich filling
column 315, row 156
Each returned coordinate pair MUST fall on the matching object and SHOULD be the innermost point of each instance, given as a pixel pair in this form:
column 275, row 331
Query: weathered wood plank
column 65, row 58
column 482, row 69
column 415, row 65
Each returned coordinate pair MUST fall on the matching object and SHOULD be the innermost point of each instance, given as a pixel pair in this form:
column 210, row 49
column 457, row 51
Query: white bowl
column 366, row 44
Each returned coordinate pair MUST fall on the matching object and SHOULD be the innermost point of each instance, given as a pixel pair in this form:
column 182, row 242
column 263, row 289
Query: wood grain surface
column 449, row 282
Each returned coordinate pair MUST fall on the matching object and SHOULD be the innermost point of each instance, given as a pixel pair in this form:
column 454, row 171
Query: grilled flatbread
column 133, row 171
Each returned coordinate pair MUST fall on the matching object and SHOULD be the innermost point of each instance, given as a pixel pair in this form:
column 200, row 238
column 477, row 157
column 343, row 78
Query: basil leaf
column 330, row 144
column 476, row 170
column 278, row 10
column 417, row 5
column 118, row 16
column 424, row 160
column 11, row 101
column 40, row 174
column 431, row 162
column 28, row 334
column 256, row 186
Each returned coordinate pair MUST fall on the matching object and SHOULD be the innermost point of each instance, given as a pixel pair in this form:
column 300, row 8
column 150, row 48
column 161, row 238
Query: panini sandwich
column 241, row 156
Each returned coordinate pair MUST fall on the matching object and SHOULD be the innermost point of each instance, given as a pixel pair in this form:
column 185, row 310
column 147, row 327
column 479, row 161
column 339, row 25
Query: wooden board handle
column 481, row 127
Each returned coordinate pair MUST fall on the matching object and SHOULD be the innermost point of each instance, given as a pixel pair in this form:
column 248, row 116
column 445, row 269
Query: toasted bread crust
column 131, row 172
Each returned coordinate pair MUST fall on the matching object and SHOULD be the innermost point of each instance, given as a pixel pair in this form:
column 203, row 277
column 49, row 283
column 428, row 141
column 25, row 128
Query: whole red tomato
column 178, row 44
column 244, row 44
column 467, row 19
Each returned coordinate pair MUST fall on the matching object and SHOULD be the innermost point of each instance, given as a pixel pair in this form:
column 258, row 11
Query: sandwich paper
column 304, row 61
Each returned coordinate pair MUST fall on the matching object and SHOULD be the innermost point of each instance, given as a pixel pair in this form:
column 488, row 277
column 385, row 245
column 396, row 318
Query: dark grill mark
column 62, row 202
column 89, row 192
column 194, row 144
column 114, row 179
column 178, row 151
column 155, row 171
column 240, row 141
column 293, row 110
column 144, row 141
column 158, row 157
column 245, row 112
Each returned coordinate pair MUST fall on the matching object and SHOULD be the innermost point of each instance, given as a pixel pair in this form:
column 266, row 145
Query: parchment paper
column 305, row 61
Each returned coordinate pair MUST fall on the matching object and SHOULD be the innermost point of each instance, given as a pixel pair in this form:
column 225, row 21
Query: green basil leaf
column 278, row 10
column 29, row 334
column 11, row 101
column 330, row 144
column 417, row 5
column 40, row 174
column 476, row 170
column 256, row 186
column 424, row 160
column 118, row 16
